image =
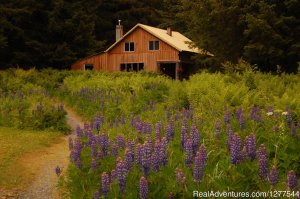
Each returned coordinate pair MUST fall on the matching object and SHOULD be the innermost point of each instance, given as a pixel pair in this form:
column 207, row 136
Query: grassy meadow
column 149, row 136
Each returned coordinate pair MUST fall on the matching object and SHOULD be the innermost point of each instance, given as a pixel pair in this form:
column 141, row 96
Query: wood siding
column 111, row 60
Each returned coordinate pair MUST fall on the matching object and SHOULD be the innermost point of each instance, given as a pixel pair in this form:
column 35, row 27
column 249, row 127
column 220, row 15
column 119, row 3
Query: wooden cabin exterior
column 142, row 48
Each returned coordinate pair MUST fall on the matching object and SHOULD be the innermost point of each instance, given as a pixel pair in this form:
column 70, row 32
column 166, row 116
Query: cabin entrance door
column 170, row 69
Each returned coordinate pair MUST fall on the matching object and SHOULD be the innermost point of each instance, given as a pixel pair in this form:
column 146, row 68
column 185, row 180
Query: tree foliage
column 265, row 33
column 50, row 33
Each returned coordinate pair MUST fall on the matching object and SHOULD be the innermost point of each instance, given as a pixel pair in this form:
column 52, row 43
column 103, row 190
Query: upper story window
column 153, row 45
column 129, row 46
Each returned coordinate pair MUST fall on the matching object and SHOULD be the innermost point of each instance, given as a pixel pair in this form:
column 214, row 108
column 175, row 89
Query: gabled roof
column 177, row 40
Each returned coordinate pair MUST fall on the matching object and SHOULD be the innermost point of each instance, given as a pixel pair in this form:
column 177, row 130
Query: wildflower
column 263, row 167
column 235, row 148
column 129, row 159
column 138, row 160
column 200, row 162
column 218, row 127
column 143, row 188
column 250, row 143
column 262, row 151
column 157, row 130
column 121, row 141
column 146, row 157
column 103, row 141
column 188, row 152
column 227, row 116
column 57, row 170
column 292, row 180
column 94, row 164
column 105, row 183
column 121, row 174
column 78, row 163
column 114, row 149
column 96, row 195
column 180, row 176
column 163, row 153
column 273, row 177
column 79, row 131
column 183, row 136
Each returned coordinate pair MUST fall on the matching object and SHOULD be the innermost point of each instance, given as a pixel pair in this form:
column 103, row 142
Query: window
column 88, row 66
column 153, row 45
column 129, row 67
column 129, row 46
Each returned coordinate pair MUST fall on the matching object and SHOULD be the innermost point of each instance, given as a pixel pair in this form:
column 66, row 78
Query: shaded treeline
column 54, row 33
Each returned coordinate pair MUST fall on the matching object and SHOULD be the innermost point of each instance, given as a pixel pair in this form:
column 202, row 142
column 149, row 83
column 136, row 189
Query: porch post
column 177, row 71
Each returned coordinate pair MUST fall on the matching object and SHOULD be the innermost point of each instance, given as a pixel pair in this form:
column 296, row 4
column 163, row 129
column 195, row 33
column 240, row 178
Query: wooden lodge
column 145, row 48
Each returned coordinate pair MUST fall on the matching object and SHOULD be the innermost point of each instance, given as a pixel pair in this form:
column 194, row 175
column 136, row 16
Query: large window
column 88, row 66
column 153, row 45
column 129, row 46
column 132, row 67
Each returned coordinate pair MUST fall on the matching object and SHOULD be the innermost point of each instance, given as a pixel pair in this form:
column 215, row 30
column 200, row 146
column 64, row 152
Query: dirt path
column 42, row 164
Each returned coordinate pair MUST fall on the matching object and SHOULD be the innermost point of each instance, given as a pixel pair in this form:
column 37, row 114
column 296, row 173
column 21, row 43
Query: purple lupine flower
column 149, row 141
column 157, row 130
column 129, row 159
column 97, row 122
column 254, row 115
column 138, row 152
column 86, row 127
column 227, row 116
column 163, row 154
column 94, row 150
column 218, row 127
column 292, row 180
column 105, row 183
column 121, row 141
column 146, row 157
column 250, row 143
column 168, row 115
column 203, row 154
column 183, row 136
column 78, row 163
column 293, row 130
column 143, row 188
column 121, row 174
column 155, row 158
column 188, row 152
column 57, row 170
column 130, row 145
column 185, row 122
column 180, row 176
column 113, row 175
column 242, row 156
column 199, row 167
column 168, row 132
column 71, row 145
column 96, row 195
column 114, row 150
column 263, row 167
column 235, row 148
column 122, row 119
column 229, row 135
column 195, row 137
column 79, row 131
column 103, row 142
column 94, row 164
column 262, row 151
column 289, row 117
column 274, row 176
column 155, row 162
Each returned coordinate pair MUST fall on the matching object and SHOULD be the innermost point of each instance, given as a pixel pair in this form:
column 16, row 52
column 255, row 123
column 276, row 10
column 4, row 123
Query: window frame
column 153, row 45
column 129, row 46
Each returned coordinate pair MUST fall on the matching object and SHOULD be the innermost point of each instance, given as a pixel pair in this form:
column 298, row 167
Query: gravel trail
column 45, row 184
